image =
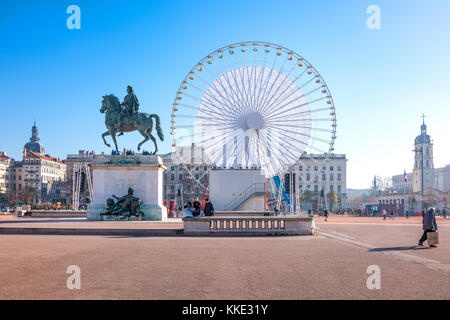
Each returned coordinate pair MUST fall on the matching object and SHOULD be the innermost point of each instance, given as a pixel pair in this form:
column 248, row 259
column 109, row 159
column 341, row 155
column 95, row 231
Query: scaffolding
column 78, row 169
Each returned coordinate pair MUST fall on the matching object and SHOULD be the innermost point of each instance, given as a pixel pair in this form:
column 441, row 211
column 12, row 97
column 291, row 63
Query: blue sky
column 381, row 80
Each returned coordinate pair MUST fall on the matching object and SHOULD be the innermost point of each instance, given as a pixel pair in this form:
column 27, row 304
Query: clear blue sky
column 381, row 80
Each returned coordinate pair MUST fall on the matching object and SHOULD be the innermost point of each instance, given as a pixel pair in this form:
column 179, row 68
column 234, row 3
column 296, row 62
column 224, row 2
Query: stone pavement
column 330, row 265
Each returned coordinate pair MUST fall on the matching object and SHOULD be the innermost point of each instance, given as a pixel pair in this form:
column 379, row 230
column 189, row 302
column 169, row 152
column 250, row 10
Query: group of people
column 391, row 214
column 194, row 208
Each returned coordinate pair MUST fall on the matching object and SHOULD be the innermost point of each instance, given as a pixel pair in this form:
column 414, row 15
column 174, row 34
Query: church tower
column 423, row 172
column 34, row 144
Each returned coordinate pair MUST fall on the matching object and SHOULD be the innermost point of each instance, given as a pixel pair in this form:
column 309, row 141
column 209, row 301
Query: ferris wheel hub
column 254, row 120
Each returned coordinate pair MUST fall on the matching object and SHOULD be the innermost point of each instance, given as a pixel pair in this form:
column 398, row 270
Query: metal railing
column 251, row 190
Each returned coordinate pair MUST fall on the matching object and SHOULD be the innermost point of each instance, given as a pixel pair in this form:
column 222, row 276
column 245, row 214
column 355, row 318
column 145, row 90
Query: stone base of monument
column 151, row 213
column 114, row 174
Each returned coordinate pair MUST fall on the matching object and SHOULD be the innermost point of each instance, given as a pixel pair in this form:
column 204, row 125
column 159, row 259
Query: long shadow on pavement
column 399, row 248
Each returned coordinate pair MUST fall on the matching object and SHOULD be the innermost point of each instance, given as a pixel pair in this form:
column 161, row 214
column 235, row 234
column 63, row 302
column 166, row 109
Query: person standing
column 407, row 214
column 429, row 225
column 444, row 213
column 325, row 213
column 208, row 209
column 197, row 206
column 187, row 210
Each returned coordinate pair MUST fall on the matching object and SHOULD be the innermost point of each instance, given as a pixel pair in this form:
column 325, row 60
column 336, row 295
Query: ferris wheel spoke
column 274, row 116
column 264, row 87
column 290, row 143
column 262, row 71
column 241, row 71
column 219, row 105
column 225, row 76
column 277, row 106
column 269, row 103
column 199, row 117
column 213, row 86
column 217, row 108
column 238, row 89
column 263, row 103
column 226, row 92
column 290, row 85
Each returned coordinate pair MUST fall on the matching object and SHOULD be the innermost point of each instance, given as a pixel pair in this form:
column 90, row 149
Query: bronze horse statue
column 143, row 122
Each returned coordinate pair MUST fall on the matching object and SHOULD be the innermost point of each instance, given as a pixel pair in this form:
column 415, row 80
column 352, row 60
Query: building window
column 339, row 189
column 324, row 177
column 180, row 177
column 172, row 177
column 339, row 168
column 172, row 168
column 172, row 189
column 331, row 177
column 308, row 177
column 331, row 168
column 331, row 188
column 300, row 168
column 316, row 188
column 339, row 177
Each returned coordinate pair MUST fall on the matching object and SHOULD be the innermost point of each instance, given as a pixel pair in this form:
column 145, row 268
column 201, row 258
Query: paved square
column 330, row 265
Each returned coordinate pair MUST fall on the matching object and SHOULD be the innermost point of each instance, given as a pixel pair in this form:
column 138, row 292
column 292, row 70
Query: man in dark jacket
column 208, row 209
column 429, row 225
column 196, row 205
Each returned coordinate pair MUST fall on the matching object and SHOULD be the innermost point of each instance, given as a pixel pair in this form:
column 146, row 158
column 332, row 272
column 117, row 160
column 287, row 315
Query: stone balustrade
column 248, row 226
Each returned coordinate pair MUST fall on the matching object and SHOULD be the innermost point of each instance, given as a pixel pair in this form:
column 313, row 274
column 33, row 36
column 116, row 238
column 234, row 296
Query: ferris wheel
column 253, row 105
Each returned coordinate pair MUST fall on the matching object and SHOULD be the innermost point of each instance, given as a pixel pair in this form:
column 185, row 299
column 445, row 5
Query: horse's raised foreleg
column 146, row 136
column 107, row 133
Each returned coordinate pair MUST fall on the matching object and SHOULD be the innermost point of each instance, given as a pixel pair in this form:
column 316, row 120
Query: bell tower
column 423, row 173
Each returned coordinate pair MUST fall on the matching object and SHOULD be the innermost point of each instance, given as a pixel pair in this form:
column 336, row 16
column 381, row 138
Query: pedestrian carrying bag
column 433, row 238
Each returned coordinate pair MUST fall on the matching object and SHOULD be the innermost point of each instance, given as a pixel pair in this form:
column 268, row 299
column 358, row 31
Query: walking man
column 429, row 225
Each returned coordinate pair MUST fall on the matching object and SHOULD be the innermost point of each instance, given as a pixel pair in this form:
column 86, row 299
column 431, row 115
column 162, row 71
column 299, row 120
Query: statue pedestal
column 114, row 174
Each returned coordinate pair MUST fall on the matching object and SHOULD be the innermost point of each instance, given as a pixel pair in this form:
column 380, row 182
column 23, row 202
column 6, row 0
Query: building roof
column 35, row 155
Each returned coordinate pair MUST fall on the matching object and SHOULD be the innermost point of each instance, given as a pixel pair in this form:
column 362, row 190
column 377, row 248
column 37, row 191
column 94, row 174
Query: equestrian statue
column 124, row 117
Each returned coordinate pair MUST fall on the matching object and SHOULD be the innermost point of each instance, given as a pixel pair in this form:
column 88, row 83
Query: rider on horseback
column 131, row 104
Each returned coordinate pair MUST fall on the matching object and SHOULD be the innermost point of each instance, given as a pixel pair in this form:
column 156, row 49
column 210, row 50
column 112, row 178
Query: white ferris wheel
column 253, row 105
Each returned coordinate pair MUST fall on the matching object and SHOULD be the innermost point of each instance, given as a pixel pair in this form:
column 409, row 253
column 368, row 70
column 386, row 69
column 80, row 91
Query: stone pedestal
column 114, row 174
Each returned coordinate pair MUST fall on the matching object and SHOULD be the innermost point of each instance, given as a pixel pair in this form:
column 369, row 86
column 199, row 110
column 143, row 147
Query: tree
column 307, row 196
column 332, row 199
